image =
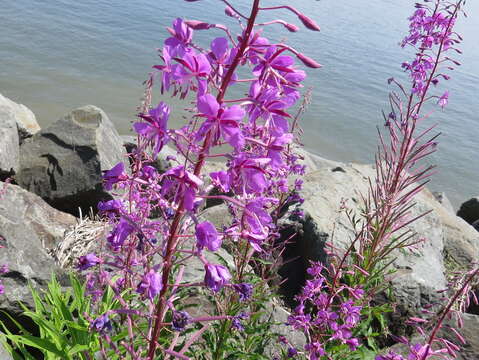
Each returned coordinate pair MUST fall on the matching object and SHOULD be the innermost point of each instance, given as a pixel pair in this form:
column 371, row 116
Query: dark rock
column 469, row 210
column 63, row 163
column 28, row 228
column 475, row 225
column 9, row 142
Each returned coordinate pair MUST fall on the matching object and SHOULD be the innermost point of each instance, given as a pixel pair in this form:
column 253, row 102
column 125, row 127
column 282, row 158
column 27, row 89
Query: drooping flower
column 101, row 324
column 236, row 321
column 110, row 208
column 180, row 320
column 150, row 285
column 207, row 236
column 88, row 261
column 216, row 277
column 244, row 290
column 154, row 130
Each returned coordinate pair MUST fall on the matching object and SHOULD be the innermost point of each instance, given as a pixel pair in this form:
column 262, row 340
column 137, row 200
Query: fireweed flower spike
column 153, row 224
column 216, row 276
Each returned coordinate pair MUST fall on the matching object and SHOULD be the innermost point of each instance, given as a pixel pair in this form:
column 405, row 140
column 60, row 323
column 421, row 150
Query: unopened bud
column 198, row 25
column 291, row 27
column 229, row 11
column 308, row 22
column 308, row 61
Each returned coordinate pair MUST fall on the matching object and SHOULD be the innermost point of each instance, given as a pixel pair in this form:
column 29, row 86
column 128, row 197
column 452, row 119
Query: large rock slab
column 28, row 228
column 469, row 210
column 326, row 185
column 25, row 119
column 63, row 163
column 9, row 142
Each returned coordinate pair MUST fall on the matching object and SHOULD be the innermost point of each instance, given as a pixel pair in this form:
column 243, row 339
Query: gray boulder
column 29, row 227
column 319, row 220
column 27, row 124
column 9, row 142
column 469, row 210
column 63, row 163
column 442, row 198
column 4, row 355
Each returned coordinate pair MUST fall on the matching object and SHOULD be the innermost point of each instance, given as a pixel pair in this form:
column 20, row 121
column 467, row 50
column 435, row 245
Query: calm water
column 56, row 55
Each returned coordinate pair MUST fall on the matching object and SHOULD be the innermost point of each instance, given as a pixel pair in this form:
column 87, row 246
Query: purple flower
column 119, row 234
column 182, row 36
column 110, row 208
column 292, row 352
column 315, row 350
column 249, row 175
column 222, row 180
column 244, row 290
column 186, row 184
column 180, row 320
column 101, row 324
column 351, row 312
column 2, row 289
column 207, row 236
column 192, row 66
column 236, row 321
column 276, row 148
column 257, row 222
column 114, row 175
column 216, row 277
column 390, row 356
column 443, row 100
column 3, row 269
column 154, row 130
column 150, row 285
column 88, row 261
column 222, row 122
column 353, row 344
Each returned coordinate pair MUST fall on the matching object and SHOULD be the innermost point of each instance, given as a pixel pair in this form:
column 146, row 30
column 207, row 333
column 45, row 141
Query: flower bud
column 198, row 25
column 308, row 22
column 229, row 11
column 291, row 27
column 308, row 61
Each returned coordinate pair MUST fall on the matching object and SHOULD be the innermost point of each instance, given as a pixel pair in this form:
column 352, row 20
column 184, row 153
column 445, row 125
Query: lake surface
column 56, row 55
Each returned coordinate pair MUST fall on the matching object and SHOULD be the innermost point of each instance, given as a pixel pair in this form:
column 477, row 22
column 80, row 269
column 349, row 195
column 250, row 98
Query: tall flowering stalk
column 400, row 175
column 144, row 263
column 400, row 169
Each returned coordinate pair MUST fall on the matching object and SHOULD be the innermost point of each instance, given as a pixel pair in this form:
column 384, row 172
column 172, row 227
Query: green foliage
column 63, row 327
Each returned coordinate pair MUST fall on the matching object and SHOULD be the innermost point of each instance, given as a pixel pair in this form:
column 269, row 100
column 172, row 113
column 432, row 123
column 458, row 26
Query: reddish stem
column 172, row 239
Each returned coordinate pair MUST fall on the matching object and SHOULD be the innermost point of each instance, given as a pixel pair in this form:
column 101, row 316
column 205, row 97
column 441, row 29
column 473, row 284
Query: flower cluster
column 431, row 34
column 156, row 225
column 326, row 314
